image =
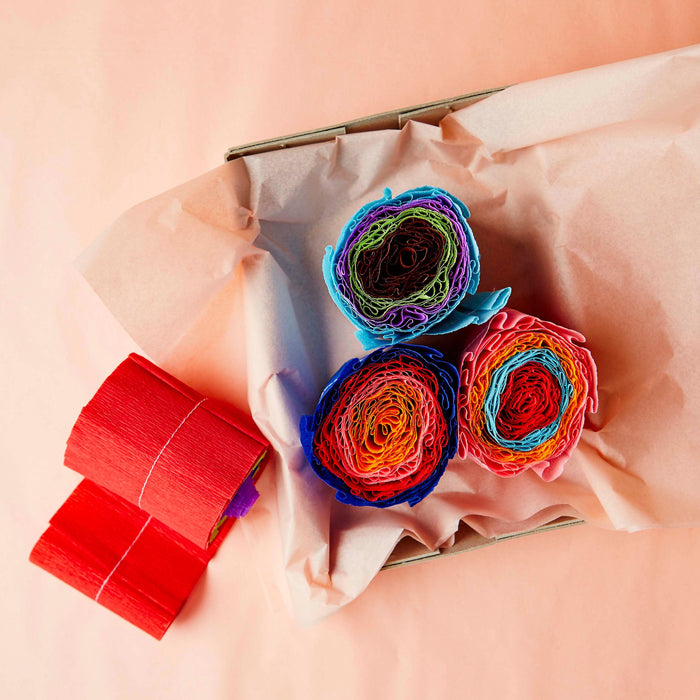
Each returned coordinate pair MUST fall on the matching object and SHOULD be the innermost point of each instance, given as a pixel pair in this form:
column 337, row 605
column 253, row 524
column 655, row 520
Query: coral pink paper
column 583, row 190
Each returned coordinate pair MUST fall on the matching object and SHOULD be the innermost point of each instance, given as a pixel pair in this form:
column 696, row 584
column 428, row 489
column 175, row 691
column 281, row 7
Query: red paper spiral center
column 529, row 401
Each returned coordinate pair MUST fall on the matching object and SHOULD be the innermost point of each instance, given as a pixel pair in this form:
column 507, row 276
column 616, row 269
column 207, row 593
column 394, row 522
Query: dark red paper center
column 529, row 401
column 404, row 263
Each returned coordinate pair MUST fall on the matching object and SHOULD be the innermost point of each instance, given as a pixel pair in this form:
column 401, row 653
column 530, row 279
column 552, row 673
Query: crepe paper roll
column 121, row 557
column 384, row 427
column 409, row 265
column 165, row 448
column 525, row 387
column 168, row 470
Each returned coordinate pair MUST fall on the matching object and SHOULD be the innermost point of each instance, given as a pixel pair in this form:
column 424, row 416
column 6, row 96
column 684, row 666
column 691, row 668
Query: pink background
column 102, row 106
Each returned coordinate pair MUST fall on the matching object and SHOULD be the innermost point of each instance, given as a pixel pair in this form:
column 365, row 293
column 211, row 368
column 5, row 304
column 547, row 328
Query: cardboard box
column 429, row 113
column 408, row 550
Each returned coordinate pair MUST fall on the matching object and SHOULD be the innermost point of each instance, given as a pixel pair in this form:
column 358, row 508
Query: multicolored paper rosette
column 525, row 387
column 385, row 426
column 409, row 265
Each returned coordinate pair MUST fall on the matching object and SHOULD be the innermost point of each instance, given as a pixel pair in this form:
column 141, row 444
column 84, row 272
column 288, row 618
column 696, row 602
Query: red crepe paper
column 164, row 447
column 120, row 556
column 163, row 464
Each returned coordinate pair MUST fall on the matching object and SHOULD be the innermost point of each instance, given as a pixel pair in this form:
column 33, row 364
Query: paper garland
column 121, row 557
column 525, row 387
column 384, row 427
column 168, row 469
column 164, row 447
column 409, row 265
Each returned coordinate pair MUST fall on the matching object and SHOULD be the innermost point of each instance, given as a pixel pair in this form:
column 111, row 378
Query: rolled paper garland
column 121, row 557
column 525, row 387
column 154, row 450
column 384, row 427
column 409, row 265
column 164, row 447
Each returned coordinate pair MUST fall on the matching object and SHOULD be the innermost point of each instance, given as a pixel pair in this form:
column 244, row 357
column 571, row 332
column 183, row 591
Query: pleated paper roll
column 164, row 447
column 384, row 427
column 525, row 387
column 409, row 265
column 121, row 557
column 168, row 471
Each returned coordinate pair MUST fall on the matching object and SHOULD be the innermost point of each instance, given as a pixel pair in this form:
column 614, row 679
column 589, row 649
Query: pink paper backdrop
column 105, row 103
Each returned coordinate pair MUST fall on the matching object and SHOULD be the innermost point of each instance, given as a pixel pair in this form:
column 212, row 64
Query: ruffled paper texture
column 120, row 556
column 436, row 292
column 120, row 438
column 385, row 426
column 530, row 383
column 583, row 192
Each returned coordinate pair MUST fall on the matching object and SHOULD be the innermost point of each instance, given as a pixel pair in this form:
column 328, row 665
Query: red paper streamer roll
column 164, row 447
column 118, row 555
column 163, row 464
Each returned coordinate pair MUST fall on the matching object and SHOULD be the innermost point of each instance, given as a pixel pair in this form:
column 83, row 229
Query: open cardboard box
column 408, row 550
